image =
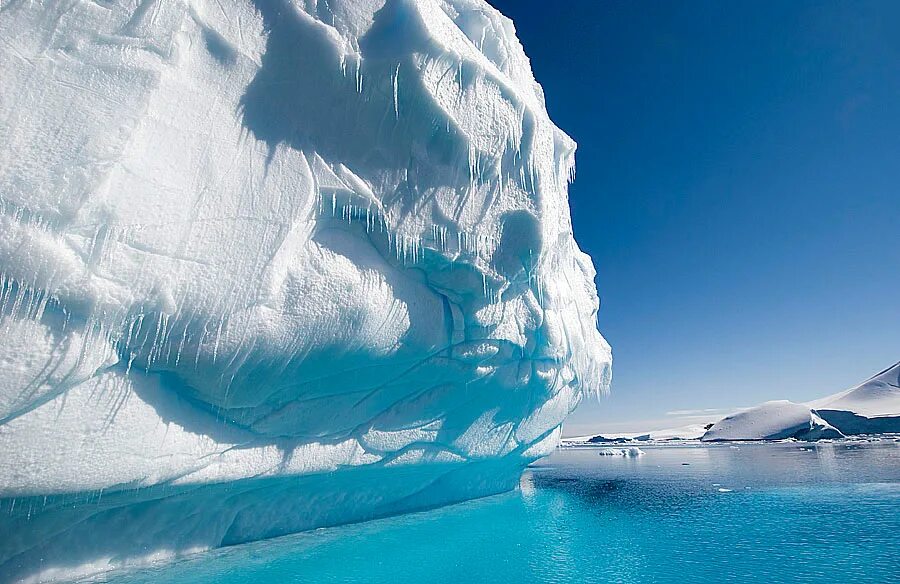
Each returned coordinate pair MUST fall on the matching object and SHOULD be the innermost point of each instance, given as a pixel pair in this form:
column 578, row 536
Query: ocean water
column 750, row 513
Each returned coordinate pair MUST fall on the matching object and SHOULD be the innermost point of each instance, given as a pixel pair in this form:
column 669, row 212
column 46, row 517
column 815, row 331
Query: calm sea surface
column 750, row 513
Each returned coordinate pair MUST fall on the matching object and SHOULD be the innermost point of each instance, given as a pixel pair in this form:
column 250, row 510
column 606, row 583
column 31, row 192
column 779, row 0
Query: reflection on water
column 749, row 513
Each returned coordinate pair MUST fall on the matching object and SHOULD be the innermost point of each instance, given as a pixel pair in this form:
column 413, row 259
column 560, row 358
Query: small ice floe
column 630, row 452
column 723, row 490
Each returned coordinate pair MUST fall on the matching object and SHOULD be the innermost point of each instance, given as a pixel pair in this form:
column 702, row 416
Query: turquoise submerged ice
column 272, row 265
column 763, row 513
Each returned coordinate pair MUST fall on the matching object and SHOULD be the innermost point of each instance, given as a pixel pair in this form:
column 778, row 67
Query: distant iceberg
column 272, row 265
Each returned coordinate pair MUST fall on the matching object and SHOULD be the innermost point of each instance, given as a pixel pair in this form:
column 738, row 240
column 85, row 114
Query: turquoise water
column 753, row 513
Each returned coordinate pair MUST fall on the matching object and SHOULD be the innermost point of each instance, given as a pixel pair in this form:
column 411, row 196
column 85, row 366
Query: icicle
column 6, row 286
column 200, row 344
column 131, row 357
column 181, row 345
column 17, row 303
column 396, row 80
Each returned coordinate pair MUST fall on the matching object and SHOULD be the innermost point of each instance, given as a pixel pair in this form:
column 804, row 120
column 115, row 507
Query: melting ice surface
column 750, row 513
column 270, row 265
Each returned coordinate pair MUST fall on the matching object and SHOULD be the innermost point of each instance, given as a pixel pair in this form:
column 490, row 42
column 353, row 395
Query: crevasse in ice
column 271, row 265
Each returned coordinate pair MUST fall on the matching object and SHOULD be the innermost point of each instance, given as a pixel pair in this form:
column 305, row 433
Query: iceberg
column 272, row 265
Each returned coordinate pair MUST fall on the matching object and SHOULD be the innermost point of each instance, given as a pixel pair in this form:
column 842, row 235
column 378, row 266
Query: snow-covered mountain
column 268, row 265
column 872, row 407
column 774, row 420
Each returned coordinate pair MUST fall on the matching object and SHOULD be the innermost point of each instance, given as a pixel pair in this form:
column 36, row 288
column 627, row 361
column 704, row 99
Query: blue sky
column 738, row 187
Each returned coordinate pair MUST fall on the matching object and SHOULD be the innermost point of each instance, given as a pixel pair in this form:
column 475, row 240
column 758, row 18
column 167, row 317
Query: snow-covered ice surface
column 270, row 265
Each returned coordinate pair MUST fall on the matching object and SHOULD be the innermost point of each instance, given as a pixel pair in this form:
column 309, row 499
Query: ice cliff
column 271, row 265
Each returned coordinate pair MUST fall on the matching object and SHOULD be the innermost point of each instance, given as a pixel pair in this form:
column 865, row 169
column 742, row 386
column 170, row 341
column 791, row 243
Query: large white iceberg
column 270, row 265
